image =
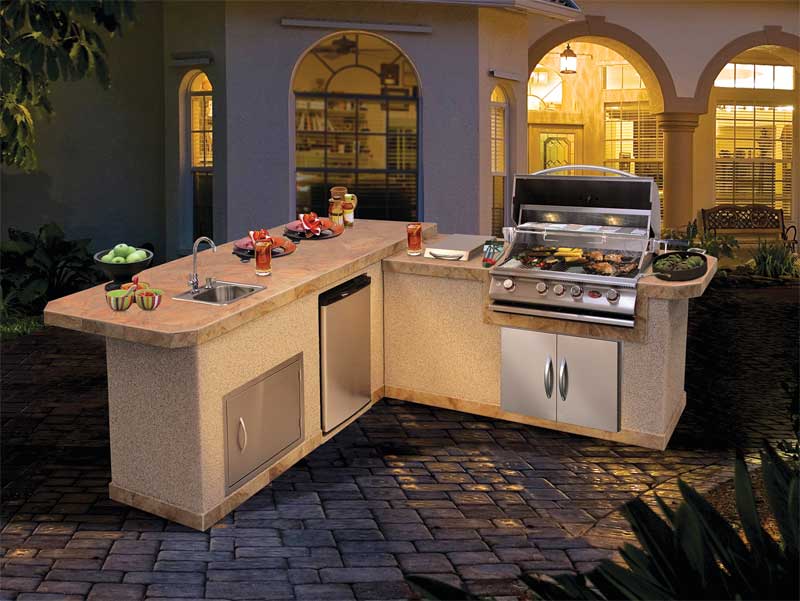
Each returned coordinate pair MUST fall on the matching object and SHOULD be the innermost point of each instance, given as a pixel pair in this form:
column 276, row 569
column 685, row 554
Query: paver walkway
column 406, row 489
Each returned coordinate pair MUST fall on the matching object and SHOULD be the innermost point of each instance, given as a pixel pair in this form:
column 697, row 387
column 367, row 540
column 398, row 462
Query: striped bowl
column 146, row 302
column 119, row 300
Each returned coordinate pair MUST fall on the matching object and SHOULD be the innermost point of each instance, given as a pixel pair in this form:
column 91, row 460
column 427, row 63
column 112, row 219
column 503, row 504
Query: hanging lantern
column 569, row 61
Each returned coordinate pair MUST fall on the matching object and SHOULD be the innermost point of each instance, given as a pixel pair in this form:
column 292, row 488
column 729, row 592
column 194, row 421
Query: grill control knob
column 612, row 295
column 541, row 287
column 558, row 289
column 509, row 284
column 576, row 291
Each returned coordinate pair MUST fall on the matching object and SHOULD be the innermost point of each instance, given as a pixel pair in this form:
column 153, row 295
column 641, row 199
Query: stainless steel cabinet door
column 262, row 419
column 587, row 378
column 528, row 383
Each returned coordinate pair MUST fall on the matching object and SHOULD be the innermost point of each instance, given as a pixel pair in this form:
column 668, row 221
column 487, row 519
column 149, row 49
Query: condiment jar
column 349, row 213
column 337, row 213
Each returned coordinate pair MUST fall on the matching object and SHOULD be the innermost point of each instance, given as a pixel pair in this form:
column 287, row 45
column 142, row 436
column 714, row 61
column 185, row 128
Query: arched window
column 498, row 135
column 545, row 90
column 357, row 125
column 200, row 127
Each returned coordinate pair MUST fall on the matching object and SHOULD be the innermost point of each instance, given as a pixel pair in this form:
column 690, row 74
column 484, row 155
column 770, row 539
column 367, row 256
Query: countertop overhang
column 315, row 265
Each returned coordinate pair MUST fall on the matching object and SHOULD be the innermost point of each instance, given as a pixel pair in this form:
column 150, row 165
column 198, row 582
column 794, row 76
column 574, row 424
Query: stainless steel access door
column 587, row 382
column 263, row 421
column 528, row 383
column 344, row 323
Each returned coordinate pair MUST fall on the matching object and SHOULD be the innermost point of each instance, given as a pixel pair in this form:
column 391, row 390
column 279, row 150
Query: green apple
column 107, row 258
column 123, row 250
column 118, row 260
column 135, row 257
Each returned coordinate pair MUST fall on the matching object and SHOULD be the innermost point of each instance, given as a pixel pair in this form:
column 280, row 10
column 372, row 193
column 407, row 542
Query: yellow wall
column 582, row 105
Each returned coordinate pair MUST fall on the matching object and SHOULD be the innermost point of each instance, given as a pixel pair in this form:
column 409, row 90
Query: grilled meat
column 613, row 258
column 603, row 268
column 596, row 255
column 627, row 268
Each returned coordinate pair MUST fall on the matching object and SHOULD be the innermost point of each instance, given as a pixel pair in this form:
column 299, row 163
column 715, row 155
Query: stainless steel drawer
column 263, row 420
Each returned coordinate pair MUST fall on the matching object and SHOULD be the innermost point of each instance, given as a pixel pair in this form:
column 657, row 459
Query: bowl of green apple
column 122, row 262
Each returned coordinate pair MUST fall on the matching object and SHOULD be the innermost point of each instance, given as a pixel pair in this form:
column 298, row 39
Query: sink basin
column 222, row 293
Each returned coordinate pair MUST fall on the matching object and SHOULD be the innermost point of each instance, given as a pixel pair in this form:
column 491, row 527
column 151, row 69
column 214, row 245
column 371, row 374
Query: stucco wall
column 502, row 47
column 260, row 58
column 192, row 29
column 686, row 34
column 100, row 168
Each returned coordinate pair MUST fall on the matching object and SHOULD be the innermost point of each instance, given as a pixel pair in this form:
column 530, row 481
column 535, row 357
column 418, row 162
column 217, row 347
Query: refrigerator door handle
column 548, row 377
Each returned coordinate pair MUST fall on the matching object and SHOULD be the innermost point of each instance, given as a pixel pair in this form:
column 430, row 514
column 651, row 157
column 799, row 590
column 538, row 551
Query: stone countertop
column 648, row 286
column 316, row 264
column 653, row 287
column 402, row 262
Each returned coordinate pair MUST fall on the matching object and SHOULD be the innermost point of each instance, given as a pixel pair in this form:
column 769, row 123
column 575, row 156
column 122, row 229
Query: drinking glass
column 263, row 255
column 414, row 233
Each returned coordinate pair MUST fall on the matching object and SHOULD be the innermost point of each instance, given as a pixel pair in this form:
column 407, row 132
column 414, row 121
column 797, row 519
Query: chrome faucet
column 194, row 280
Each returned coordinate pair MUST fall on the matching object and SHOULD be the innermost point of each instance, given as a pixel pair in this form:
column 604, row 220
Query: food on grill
column 596, row 255
column 676, row 262
column 575, row 260
column 613, row 258
column 603, row 268
column 569, row 252
column 627, row 268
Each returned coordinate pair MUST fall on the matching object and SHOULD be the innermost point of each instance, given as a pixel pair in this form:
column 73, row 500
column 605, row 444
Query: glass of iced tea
column 414, row 233
column 263, row 254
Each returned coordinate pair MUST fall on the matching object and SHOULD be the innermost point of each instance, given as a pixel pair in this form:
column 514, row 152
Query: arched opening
column 603, row 114
column 499, row 159
column 356, row 101
column 753, row 117
column 199, row 158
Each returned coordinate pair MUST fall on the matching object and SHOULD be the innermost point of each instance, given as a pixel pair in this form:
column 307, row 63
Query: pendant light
column 569, row 61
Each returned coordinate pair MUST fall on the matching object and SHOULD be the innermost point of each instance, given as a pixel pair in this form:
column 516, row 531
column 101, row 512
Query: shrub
column 690, row 553
column 723, row 245
column 36, row 268
column 775, row 260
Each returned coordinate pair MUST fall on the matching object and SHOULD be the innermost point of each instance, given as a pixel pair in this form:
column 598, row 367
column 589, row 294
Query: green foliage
column 792, row 447
column 43, row 41
column 692, row 552
column 37, row 268
column 775, row 260
column 12, row 327
column 715, row 245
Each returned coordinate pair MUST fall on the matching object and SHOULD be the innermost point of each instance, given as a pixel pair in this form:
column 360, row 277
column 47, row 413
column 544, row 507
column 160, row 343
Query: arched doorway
column 603, row 114
column 751, row 125
column 356, row 99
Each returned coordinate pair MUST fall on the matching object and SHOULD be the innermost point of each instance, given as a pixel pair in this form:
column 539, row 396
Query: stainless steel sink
column 220, row 293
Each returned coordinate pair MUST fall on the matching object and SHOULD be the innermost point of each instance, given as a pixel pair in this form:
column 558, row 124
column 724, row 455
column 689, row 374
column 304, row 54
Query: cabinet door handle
column 548, row 377
column 563, row 380
column 241, row 437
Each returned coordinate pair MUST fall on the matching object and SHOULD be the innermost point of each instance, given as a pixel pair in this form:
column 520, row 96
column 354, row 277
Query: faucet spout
column 194, row 279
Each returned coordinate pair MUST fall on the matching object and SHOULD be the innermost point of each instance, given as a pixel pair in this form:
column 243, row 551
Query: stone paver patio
column 407, row 489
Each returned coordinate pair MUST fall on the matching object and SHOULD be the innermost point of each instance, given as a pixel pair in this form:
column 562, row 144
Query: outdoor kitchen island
column 176, row 375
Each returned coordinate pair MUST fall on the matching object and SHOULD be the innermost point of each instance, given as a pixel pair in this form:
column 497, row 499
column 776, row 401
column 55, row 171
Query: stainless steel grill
column 580, row 244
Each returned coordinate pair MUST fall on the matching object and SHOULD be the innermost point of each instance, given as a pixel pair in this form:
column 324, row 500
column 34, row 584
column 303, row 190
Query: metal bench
column 749, row 223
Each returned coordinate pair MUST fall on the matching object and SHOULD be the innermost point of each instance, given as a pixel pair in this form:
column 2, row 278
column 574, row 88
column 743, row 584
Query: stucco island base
column 166, row 410
column 432, row 342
